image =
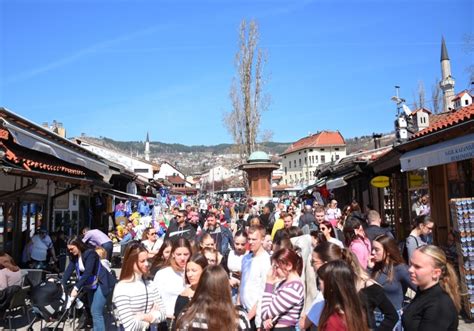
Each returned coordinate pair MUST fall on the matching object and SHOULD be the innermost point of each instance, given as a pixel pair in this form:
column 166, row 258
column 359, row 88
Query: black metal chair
column 33, row 277
column 18, row 302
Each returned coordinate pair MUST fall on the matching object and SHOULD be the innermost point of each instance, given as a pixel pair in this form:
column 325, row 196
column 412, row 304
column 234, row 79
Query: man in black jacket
column 374, row 229
column 222, row 236
column 181, row 228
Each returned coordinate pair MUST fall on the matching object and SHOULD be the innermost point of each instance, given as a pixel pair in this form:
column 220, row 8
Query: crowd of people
column 290, row 265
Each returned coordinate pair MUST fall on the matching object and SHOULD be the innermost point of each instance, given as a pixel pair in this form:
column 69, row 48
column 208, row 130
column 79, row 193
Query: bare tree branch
column 246, row 92
column 436, row 97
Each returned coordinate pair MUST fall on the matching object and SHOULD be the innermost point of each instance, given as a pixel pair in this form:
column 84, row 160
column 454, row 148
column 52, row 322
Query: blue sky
column 121, row 68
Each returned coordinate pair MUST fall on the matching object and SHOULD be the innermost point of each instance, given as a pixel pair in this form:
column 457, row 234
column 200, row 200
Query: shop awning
column 123, row 195
column 28, row 139
column 336, row 183
column 457, row 149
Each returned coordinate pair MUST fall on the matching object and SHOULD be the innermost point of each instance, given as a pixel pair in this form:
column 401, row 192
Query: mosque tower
column 447, row 81
column 147, row 147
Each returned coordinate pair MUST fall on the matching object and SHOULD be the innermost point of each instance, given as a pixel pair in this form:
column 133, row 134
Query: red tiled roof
column 446, row 120
column 460, row 95
column 323, row 138
column 420, row 109
column 175, row 180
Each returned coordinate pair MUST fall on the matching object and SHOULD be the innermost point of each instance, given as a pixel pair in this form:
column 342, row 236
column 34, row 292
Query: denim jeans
column 97, row 309
column 109, row 247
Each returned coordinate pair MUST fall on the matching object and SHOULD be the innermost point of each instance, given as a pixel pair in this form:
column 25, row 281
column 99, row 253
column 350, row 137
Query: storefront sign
column 415, row 180
column 458, row 149
column 380, row 181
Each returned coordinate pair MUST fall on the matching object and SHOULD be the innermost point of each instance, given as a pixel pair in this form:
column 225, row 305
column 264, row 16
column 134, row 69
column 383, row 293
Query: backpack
column 402, row 245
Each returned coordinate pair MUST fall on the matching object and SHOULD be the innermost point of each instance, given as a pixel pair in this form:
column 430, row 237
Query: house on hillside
column 167, row 170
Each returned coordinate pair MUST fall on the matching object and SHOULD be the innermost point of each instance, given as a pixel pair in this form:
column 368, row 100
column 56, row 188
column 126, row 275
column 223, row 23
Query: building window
column 321, row 149
column 323, row 158
column 286, row 172
column 305, row 160
column 286, row 181
column 284, row 157
column 305, row 151
column 291, row 177
column 299, row 162
column 466, row 102
column 299, row 153
column 310, row 150
column 294, row 164
column 337, row 157
column 140, row 171
column 337, row 148
column 289, row 163
column 316, row 158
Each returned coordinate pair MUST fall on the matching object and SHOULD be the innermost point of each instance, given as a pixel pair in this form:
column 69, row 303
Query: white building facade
column 167, row 170
column 140, row 167
column 301, row 159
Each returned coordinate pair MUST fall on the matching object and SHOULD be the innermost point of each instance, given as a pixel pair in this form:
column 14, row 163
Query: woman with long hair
column 423, row 226
column 10, row 273
column 161, row 257
column 390, row 270
column 343, row 309
column 284, row 291
column 329, row 233
column 211, row 307
column 437, row 301
column 357, row 241
column 194, row 269
column 371, row 293
column 85, row 262
column 137, row 300
column 170, row 279
column 317, row 237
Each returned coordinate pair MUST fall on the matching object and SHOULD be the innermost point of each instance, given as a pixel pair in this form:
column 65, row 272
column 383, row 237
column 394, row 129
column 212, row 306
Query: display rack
column 462, row 216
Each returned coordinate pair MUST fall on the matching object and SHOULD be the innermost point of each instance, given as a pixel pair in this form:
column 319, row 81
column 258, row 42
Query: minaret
column 447, row 81
column 147, row 147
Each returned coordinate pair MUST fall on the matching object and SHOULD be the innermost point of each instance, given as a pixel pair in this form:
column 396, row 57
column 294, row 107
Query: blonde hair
column 448, row 279
column 101, row 252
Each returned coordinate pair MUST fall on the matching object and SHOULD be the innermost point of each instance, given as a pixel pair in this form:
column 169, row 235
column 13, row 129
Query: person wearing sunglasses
column 181, row 229
column 151, row 242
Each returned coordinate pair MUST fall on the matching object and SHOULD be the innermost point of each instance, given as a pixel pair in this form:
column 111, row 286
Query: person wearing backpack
column 423, row 227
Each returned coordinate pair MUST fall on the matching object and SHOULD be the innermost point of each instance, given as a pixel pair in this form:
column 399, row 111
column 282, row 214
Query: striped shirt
column 284, row 303
column 132, row 298
column 199, row 323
